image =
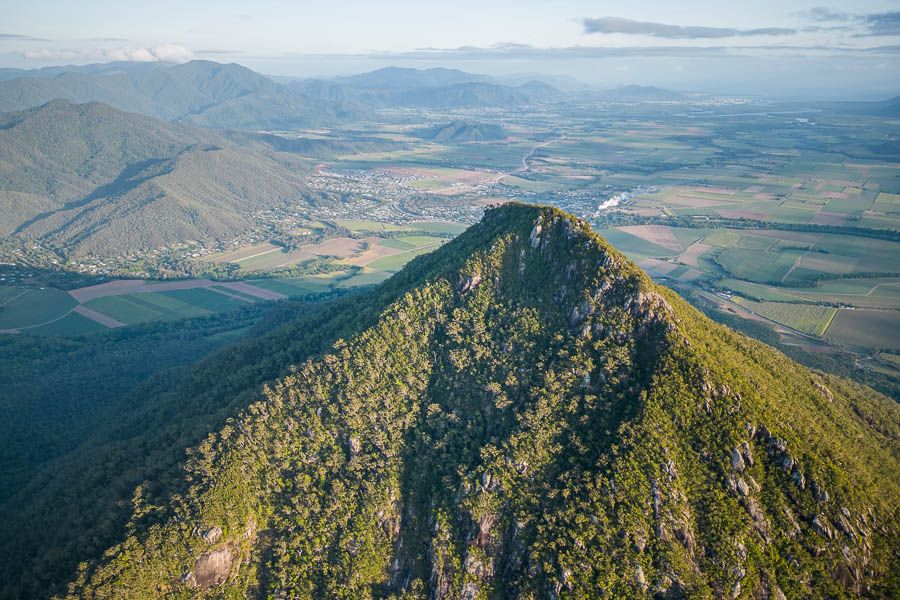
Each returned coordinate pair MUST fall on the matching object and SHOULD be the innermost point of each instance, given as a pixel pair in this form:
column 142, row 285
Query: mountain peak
column 528, row 414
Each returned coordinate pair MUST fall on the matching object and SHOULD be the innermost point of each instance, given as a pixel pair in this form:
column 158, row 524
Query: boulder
column 737, row 461
column 746, row 454
column 212, row 535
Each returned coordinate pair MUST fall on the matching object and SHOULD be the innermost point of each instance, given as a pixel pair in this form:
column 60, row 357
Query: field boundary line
column 25, row 291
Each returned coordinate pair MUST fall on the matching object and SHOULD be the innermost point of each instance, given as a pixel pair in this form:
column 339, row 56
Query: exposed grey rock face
column 639, row 577
column 746, row 453
column 823, row 527
column 737, row 461
column 469, row 283
column 212, row 568
column 212, row 535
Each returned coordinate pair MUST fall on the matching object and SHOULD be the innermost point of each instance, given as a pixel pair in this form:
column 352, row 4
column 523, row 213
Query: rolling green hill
column 90, row 179
column 520, row 413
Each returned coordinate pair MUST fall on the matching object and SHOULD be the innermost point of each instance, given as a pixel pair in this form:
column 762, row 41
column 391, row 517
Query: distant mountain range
column 231, row 96
column 199, row 92
column 92, row 179
column 430, row 88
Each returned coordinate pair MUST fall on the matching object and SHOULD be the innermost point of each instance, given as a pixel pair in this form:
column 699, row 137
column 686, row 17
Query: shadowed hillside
column 91, row 179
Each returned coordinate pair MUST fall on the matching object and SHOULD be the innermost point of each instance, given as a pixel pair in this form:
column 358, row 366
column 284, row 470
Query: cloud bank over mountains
column 661, row 30
column 174, row 53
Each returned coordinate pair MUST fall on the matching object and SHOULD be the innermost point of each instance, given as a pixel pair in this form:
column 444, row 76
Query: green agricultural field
column 207, row 299
column 271, row 260
column 396, row 244
column 301, row 286
column 237, row 293
column 436, row 227
column 634, row 246
column 421, row 241
column 755, row 291
column 395, row 262
column 366, row 226
column 28, row 307
column 8, row 292
column 366, row 276
column 138, row 308
column 124, row 309
column 810, row 319
column 70, row 325
column 758, row 265
column 529, row 185
column 862, row 293
column 866, row 328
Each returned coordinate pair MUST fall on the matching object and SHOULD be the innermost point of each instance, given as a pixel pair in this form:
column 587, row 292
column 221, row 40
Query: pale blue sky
column 739, row 46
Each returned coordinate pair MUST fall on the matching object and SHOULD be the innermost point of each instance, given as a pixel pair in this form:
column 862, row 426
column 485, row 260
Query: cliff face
column 530, row 417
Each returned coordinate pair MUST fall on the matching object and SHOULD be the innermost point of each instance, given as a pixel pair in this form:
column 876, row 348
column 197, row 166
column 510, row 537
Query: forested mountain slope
column 92, row 179
column 522, row 413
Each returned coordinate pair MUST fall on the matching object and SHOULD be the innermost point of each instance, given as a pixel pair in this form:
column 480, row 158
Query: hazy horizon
column 806, row 50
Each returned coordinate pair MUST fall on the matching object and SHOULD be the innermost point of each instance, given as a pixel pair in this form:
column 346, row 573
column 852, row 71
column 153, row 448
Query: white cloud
column 130, row 54
column 162, row 53
column 172, row 53
column 48, row 55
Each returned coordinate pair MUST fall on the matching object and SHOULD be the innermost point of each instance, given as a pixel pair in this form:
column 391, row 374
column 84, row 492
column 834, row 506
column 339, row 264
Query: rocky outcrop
column 212, row 535
column 210, row 570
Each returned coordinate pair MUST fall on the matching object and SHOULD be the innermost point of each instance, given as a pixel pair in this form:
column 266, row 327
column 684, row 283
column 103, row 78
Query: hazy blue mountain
column 404, row 78
column 201, row 92
column 232, row 96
